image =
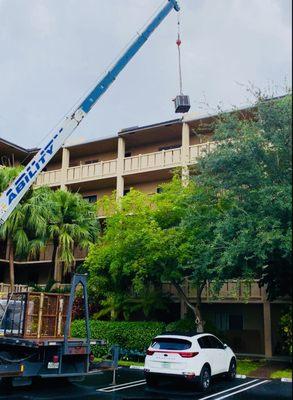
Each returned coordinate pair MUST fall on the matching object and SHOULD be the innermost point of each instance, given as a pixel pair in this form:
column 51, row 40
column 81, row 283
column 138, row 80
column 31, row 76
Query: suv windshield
column 171, row 344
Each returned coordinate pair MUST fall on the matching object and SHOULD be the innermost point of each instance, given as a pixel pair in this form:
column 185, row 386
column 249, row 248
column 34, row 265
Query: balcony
column 5, row 288
column 152, row 161
column 199, row 150
column 232, row 291
column 84, row 173
column 49, row 178
column 131, row 165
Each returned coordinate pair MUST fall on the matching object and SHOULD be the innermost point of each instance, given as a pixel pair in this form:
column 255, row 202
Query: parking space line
column 229, row 390
column 116, row 389
column 242, row 390
column 110, row 388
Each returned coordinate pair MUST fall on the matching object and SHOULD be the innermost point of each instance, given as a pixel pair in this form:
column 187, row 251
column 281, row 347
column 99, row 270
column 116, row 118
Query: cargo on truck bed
column 35, row 337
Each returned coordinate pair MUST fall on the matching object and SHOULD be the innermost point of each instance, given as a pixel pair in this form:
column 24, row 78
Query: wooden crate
column 45, row 315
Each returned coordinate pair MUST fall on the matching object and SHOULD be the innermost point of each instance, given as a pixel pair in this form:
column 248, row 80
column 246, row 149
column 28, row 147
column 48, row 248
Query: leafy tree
column 252, row 165
column 119, row 262
column 73, row 223
column 146, row 243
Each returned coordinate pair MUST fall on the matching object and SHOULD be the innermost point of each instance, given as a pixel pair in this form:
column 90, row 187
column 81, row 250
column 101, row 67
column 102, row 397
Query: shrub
column 134, row 337
column 286, row 331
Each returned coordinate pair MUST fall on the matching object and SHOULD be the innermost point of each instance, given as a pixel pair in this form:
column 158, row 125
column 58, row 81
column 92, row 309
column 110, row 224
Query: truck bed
column 50, row 341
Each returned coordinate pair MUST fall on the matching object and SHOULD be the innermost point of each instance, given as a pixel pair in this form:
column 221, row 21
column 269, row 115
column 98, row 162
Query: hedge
column 131, row 336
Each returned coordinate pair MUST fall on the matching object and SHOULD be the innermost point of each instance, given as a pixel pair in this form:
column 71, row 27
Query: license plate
column 52, row 365
column 166, row 365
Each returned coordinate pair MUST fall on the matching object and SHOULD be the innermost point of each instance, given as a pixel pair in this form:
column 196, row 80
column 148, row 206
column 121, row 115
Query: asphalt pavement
column 130, row 385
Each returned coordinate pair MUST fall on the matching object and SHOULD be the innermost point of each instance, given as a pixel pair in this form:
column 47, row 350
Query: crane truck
column 35, row 327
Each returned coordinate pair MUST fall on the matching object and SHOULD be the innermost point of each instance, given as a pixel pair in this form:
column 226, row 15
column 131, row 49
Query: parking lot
column 130, row 384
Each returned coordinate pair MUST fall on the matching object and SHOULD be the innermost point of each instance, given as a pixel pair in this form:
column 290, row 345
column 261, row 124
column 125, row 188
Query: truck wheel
column 204, row 382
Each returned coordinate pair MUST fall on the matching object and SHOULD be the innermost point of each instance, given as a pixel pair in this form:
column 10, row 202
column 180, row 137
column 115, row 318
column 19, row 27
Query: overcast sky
column 52, row 51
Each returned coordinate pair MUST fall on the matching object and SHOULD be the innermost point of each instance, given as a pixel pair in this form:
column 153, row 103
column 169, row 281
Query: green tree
column 73, row 223
column 119, row 262
column 146, row 243
column 252, row 165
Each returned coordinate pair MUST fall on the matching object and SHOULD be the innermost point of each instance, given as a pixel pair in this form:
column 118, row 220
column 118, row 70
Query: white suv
column 194, row 358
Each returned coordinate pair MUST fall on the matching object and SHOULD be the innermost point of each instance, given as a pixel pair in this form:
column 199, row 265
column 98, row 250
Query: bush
column 131, row 336
column 286, row 331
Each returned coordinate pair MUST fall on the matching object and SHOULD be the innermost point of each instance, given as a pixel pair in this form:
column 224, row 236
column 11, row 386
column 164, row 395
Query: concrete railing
column 157, row 160
column 199, row 150
column 231, row 291
column 89, row 172
column 49, row 178
column 131, row 165
column 5, row 288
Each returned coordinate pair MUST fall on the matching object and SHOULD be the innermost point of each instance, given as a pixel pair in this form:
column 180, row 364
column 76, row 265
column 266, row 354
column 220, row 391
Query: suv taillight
column 150, row 352
column 188, row 354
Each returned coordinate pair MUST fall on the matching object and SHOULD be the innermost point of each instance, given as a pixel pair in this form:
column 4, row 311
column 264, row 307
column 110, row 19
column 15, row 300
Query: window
column 93, row 161
column 215, row 343
column 210, row 342
column 74, row 163
column 173, row 146
column 127, row 154
column 236, row 322
column 125, row 191
column 91, row 199
column 221, row 321
column 171, row 344
column 204, row 342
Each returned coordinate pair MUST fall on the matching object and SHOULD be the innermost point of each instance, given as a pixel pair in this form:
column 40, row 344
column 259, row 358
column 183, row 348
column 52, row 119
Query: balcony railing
column 131, row 165
column 199, row 150
column 89, row 172
column 231, row 291
column 49, row 178
column 5, row 288
column 158, row 160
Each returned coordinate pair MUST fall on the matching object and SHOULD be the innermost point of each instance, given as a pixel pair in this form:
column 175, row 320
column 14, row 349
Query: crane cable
column 178, row 42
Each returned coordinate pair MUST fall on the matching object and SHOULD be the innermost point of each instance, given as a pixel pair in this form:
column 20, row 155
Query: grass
column 246, row 367
column 283, row 373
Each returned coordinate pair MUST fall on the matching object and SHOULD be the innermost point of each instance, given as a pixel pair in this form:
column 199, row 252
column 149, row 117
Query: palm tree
column 74, row 224
column 25, row 229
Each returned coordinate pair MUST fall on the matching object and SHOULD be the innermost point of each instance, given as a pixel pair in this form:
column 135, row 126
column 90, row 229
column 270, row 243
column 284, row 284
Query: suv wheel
column 204, row 379
column 151, row 380
column 231, row 374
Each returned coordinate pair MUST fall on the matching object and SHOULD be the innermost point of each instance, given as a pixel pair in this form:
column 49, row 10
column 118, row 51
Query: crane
column 10, row 198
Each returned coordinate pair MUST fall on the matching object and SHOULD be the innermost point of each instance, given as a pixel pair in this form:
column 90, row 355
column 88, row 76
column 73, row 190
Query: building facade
column 143, row 158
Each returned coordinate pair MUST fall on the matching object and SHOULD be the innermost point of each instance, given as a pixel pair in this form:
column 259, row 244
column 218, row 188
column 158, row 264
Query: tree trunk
column 11, row 265
column 55, row 262
column 195, row 309
column 200, row 322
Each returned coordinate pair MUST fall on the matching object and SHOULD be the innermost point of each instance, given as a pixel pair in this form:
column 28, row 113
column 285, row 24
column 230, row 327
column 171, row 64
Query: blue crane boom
column 14, row 193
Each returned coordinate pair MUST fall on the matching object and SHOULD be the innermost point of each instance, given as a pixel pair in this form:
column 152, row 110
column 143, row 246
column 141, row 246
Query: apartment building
column 143, row 158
